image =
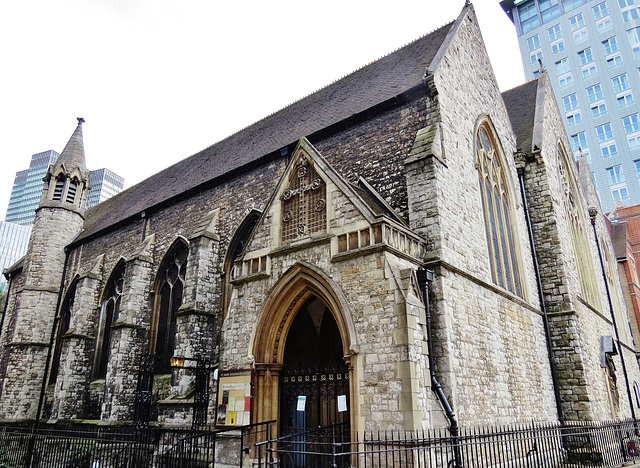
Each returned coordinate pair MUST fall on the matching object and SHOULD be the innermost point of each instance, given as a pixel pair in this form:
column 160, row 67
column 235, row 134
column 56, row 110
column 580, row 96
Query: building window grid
column 610, row 45
column 604, row 24
column 616, row 175
column 574, row 119
column 614, row 60
column 533, row 43
column 625, row 100
column 576, row 22
column 594, row 93
column 600, row 10
column 634, row 40
column 570, row 102
column 586, row 56
column 598, row 109
column 588, row 71
column 608, row 150
column 620, row 83
column 605, row 133
column 555, row 33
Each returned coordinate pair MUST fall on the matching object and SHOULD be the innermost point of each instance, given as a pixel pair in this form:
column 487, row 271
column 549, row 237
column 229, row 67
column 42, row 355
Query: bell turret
column 67, row 181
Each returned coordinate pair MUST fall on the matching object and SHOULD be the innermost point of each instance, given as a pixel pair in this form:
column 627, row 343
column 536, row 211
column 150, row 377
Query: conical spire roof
column 73, row 153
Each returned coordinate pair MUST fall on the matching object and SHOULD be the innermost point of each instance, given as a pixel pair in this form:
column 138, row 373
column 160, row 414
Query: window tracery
column 577, row 221
column 169, row 295
column 109, row 312
column 303, row 202
column 497, row 209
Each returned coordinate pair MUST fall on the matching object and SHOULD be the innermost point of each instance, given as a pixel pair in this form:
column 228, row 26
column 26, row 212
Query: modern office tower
column 103, row 184
column 27, row 188
column 591, row 50
column 14, row 240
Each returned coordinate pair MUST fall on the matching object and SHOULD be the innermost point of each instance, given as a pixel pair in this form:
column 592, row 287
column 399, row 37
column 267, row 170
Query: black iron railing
column 67, row 446
column 535, row 445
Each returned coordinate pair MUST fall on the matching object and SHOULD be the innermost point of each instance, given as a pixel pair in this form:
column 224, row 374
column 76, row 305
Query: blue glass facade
column 14, row 240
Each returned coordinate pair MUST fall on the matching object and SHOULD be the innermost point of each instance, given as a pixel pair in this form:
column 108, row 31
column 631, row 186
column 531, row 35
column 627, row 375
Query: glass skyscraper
column 28, row 185
column 27, row 189
column 591, row 51
column 14, row 240
column 103, row 184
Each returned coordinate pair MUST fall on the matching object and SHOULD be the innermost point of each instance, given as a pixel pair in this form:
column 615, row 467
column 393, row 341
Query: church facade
column 404, row 229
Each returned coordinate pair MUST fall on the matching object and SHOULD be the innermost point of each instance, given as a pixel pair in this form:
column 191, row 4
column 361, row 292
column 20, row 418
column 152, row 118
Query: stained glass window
column 496, row 205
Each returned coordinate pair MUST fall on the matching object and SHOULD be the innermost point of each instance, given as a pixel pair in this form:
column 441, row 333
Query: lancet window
column 576, row 215
column 169, row 295
column 59, row 188
column 109, row 312
column 497, row 208
column 71, row 191
column 63, row 327
column 236, row 246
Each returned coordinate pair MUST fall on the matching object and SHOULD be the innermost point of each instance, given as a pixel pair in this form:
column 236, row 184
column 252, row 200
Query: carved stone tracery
column 303, row 202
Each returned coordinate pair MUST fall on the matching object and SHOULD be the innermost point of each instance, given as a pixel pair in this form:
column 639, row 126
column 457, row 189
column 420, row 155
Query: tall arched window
column 496, row 205
column 169, row 291
column 109, row 311
column 236, row 246
column 63, row 327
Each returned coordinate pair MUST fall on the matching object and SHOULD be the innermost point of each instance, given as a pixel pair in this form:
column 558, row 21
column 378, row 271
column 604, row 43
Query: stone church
column 405, row 248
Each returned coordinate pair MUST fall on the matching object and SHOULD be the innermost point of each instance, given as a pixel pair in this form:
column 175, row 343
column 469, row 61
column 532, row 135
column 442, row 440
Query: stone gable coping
column 427, row 144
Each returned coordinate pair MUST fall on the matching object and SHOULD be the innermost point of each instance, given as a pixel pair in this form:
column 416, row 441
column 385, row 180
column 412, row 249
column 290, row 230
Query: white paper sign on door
column 302, row 401
column 342, row 403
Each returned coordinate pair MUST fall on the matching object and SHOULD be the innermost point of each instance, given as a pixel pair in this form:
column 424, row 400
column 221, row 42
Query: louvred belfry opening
column 304, row 206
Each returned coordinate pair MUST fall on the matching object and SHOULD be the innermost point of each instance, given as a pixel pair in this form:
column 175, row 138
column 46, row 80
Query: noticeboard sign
column 235, row 397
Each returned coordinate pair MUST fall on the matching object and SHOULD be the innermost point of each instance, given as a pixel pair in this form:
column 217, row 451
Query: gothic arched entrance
column 314, row 386
column 303, row 361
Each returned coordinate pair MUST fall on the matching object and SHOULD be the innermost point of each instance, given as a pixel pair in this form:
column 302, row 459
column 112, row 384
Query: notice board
column 235, row 397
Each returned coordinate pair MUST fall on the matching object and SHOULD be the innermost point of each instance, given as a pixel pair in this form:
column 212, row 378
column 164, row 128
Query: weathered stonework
column 384, row 182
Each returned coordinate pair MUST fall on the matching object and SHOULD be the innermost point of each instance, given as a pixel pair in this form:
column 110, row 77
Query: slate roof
column 365, row 88
column 521, row 107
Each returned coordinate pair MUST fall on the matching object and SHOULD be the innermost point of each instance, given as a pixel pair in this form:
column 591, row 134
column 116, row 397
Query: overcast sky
column 159, row 80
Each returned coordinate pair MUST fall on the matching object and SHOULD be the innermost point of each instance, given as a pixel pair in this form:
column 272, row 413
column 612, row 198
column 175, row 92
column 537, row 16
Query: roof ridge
column 311, row 93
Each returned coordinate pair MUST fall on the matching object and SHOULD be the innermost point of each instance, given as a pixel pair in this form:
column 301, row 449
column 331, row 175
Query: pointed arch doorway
column 304, row 364
column 314, row 385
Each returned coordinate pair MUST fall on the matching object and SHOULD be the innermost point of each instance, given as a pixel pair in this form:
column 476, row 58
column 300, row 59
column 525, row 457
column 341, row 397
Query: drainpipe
column 6, row 303
column 543, row 303
column 53, row 335
column 592, row 214
column 424, row 278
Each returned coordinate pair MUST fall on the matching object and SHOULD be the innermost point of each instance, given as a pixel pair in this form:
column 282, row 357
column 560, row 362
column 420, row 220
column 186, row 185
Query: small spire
column 73, row 153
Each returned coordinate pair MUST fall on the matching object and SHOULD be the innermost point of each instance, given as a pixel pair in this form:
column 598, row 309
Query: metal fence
column 536, row 445
column 91, row 446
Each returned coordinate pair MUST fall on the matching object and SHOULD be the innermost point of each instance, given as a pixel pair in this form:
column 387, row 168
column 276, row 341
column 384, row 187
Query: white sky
column 159, row 80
